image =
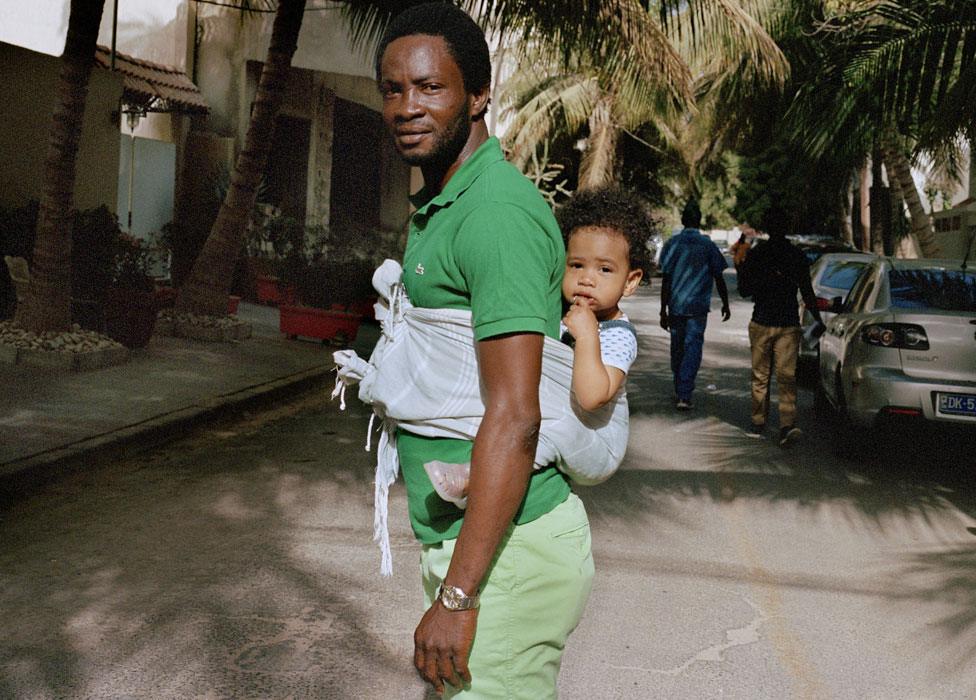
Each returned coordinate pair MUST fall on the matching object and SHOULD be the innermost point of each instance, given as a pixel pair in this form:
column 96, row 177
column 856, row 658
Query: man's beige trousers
column 774, row 347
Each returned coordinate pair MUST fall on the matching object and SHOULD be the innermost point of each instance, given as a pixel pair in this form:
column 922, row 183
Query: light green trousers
column 532, row 599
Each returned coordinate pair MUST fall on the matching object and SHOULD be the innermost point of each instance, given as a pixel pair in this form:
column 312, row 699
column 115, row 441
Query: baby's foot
column 450, row 481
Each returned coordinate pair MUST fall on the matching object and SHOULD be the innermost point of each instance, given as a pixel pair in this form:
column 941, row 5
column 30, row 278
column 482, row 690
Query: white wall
column 148, row 29
column 26, row 106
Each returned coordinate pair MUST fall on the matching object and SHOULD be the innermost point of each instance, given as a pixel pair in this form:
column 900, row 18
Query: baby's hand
column 581, row 321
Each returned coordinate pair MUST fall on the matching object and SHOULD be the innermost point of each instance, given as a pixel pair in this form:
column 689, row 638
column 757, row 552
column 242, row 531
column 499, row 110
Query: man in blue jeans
column 690, row 263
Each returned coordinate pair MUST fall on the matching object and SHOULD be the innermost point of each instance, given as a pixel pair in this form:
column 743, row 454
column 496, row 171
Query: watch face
column 449, row 597
column 453, row 598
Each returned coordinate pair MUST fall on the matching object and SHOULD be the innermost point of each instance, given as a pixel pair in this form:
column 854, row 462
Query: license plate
column 957, row 404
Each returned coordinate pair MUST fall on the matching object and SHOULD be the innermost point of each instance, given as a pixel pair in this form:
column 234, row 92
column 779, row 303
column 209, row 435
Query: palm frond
column 917, row 57
column 563, row 104
column 733, row 34
column 597, row 168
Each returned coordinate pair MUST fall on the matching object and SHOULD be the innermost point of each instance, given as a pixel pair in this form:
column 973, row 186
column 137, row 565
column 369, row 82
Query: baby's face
column 598, row 270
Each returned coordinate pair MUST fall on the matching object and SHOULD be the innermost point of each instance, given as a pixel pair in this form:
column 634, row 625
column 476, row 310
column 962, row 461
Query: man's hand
column 442, row 643
column 665, row 322
column 580, row 320
column 726, row 313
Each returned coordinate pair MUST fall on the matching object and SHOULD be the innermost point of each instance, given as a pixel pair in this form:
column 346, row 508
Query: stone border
column 174, row 328
column 54, row 359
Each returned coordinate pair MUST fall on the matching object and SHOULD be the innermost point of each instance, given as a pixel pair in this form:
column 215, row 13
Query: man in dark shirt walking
column 772, row 274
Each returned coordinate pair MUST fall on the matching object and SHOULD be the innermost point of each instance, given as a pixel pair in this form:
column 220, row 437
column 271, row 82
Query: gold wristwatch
column 453, row 598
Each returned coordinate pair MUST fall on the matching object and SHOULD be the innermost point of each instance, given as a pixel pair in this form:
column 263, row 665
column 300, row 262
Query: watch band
column 453, row 598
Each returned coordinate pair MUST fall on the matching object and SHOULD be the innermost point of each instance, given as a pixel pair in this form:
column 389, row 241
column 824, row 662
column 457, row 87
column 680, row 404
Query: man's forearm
column 665, row 292
column 723, row 290
column 501, row 464
column 810, row 299
column 503, row 452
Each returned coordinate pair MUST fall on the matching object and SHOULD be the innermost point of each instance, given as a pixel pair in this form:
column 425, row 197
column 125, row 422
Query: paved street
column 238, row 563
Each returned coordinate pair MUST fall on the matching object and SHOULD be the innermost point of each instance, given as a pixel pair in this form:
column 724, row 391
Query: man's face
column 425, row 104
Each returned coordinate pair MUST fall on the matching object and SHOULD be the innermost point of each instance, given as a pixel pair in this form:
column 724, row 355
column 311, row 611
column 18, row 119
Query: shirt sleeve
column 803, row 280
column 667, row 257
column 508, row 262
column 716, row 261
column 618, row 348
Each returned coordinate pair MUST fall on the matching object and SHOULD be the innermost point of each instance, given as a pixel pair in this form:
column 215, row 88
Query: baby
column 605, row 231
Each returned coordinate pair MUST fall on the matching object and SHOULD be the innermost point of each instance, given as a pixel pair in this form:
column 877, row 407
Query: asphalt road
column 238, row 563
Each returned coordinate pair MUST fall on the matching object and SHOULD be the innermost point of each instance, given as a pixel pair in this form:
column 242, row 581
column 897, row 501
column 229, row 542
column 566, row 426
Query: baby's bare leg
column 450, row 481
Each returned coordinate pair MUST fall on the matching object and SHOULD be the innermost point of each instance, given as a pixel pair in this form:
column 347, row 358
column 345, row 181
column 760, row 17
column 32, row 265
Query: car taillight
column 905, row 336
column 823, row 304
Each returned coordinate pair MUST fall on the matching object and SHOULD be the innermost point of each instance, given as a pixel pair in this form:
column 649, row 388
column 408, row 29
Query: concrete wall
column 954, row 231
column 27, row 101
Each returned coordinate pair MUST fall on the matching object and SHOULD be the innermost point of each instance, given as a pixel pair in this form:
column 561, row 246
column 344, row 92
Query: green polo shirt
column 489, row 243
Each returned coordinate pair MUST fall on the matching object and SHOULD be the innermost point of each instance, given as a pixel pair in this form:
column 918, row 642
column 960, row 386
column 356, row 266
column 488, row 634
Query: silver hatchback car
column 903, row 343
column 832, row 275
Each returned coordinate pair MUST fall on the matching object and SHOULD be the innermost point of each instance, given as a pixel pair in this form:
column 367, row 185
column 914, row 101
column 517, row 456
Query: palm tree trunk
column 864, row 207
column 904, row 247
column 921, row 221
column 598, row 166
column 877, row 203
column 47, row 305
column 208, row 284
column 846, row 206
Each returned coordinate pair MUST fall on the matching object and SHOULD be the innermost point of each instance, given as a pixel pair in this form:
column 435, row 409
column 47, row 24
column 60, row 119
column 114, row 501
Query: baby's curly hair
column 614, row 208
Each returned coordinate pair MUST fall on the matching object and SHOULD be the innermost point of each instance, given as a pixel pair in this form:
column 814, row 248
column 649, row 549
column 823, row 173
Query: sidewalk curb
column 157, row 430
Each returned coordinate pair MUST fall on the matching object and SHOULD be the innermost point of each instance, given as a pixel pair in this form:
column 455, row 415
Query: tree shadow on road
column 945, row 577
column 244, row 569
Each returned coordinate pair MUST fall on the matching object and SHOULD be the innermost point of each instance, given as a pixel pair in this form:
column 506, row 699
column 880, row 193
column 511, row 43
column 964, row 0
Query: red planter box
column 321, row 324
column 269, row 291
column 130, row 316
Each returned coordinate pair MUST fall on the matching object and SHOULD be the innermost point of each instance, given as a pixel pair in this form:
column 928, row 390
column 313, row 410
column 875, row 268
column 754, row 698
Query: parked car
column 815, row 246
column 903, row 343
column 832, row 275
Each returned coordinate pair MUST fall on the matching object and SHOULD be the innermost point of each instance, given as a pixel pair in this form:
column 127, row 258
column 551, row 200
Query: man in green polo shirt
column 516, row 565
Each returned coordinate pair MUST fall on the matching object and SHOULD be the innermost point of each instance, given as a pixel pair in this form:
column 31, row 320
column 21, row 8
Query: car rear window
column 842, row 274
column 948, row 290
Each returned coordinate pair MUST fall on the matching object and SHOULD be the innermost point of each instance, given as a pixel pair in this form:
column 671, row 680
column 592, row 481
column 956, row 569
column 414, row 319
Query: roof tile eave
column 153, row 80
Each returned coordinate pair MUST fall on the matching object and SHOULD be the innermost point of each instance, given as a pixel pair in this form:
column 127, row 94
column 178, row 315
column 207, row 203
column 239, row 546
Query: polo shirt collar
column 486, row 154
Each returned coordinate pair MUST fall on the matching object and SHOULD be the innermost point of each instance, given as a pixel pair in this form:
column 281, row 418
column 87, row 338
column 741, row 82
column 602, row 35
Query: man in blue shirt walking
column 690, row 262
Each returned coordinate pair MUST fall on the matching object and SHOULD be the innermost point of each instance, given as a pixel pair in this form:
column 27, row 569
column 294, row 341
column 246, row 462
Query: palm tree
column 616, row 92
column 607, row 102
column 208, row 284
column 897, row 74
column 47, row 305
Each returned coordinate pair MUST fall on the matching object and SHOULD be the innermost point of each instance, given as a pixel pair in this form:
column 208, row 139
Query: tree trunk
column 846, row 205
column 208, row 284
column 921, row 221
column 864, row 207
column 877, row 204
column 47, row 304
column 598, row 166
column 904, row 247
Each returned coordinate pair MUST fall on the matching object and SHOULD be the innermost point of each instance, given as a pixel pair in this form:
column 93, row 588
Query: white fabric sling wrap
column 423, row 378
